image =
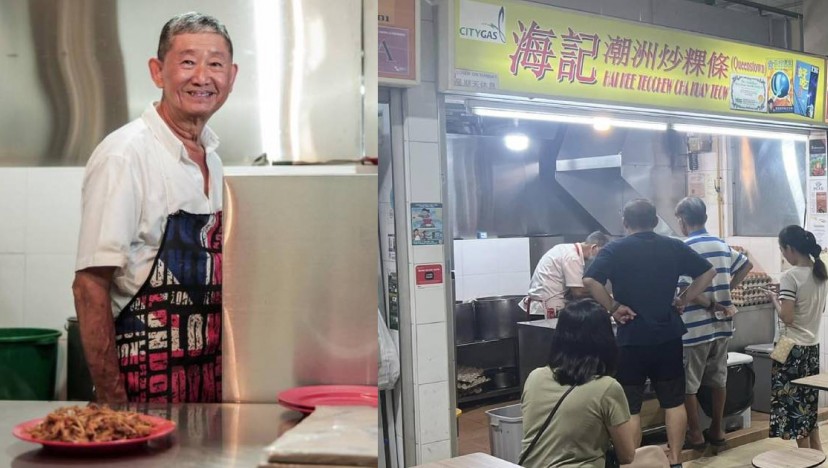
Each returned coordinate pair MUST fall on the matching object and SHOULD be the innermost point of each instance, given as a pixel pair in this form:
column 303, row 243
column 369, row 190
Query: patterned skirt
column 793, row 407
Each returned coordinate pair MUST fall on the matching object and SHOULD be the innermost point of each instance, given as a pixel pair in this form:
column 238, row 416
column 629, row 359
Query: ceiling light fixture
column 598, row 122
column 602, row 124
column 745, row 132
column 516, row 141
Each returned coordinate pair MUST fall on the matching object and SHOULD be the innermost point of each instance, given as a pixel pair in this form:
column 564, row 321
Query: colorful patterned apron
column 169, row 335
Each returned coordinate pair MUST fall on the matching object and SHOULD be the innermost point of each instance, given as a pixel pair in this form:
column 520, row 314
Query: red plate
column 306, row 399
column 301, row 409
column 163, row 427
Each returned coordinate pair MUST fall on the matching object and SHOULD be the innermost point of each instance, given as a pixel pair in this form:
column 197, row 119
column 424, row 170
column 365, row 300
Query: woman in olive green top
column 595, row 412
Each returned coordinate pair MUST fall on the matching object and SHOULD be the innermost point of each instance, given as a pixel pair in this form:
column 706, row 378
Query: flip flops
column 712, row 441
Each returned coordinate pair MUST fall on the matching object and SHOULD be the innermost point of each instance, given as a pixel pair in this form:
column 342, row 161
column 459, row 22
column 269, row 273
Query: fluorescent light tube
column 598, row 122
column 509, row 114
column 746, row 132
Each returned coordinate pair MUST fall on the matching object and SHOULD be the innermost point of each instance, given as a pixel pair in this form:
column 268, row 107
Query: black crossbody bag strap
column 543, row 427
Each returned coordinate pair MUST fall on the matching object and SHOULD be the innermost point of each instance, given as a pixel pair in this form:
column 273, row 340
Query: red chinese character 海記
column 695, row 61
column 573, row 54
column 646, row 52
column 618, row 51
column 534, row 50
column 718, row 65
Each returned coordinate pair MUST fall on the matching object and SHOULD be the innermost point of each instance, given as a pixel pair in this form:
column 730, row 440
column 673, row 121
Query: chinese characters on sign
column 577, row 52
column 521, row 48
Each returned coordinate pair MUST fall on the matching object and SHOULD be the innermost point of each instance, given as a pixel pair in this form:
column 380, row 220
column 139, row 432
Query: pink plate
column 306, row 399
column 302, row 409
column 163, row 427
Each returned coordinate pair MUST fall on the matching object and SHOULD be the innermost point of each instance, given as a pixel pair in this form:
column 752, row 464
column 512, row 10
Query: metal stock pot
column 497, row 316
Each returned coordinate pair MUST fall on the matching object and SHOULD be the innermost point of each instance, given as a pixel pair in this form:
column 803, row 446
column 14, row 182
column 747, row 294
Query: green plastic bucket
column 28, row 363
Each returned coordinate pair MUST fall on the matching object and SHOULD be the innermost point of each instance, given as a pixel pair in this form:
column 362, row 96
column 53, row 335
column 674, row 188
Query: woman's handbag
column 611, row 459
column 782, row 349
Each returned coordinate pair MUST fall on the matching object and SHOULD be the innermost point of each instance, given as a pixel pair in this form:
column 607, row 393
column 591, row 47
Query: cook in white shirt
column 559, row 271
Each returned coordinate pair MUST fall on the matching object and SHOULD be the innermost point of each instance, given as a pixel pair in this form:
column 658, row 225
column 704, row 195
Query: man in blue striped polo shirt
column 705, row 343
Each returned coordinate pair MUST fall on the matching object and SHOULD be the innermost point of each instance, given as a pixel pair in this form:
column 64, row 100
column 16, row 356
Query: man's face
column 591, row 252
column 196, row 75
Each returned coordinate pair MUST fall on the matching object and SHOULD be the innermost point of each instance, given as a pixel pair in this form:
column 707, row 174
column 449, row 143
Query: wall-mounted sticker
column 426, row 223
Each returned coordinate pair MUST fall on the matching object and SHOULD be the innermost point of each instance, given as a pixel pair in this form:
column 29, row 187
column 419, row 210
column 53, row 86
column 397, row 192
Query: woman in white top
column 801, row 302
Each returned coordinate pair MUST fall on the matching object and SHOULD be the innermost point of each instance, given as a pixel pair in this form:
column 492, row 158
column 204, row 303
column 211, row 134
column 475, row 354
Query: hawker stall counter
column 207, row 435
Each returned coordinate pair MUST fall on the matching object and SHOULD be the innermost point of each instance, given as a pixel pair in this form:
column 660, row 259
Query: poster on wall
column 397, row 42
column 393, row 302
column 816, row 158
column 527, row 49
column 818, row 193
column 817, row 211
column 696, row 183
column 818, row 224
column 426, row 223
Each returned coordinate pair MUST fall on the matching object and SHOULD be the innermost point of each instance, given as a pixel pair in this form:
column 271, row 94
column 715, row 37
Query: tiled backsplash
column 40, row 209
column 763, row 253
column 491, row 267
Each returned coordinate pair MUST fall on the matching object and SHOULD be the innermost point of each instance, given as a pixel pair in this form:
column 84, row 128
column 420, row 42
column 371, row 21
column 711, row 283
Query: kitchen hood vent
column 603, row 170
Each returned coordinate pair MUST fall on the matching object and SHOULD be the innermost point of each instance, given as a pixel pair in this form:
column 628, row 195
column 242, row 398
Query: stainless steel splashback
column 74, row 70
column 768, row 184
column 300, row 283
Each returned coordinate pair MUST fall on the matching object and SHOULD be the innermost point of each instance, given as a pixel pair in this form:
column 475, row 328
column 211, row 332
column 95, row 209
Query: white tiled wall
column 40, row 209
column 491, row 267
column 763, row 253
column 421, row 143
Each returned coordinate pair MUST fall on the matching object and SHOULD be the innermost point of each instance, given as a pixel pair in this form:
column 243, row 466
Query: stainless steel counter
column 208, row 435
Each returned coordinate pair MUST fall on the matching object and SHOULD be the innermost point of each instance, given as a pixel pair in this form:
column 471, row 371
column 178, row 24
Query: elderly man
column 149, row 252
column 559, row 274
column 709, row 323
column 644, row 269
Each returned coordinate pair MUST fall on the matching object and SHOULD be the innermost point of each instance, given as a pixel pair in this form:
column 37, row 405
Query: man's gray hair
column 692, row 210
column 597, row 238
column 640, row 213
column 191, row 23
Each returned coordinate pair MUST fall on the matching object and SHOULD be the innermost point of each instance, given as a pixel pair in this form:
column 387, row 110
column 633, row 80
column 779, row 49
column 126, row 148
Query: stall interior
column 520, row 182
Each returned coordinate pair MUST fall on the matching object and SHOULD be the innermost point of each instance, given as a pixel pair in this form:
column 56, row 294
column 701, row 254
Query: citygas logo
column 482, row 22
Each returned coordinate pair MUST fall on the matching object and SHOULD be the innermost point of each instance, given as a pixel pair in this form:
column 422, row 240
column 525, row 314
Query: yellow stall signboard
column 532, row 50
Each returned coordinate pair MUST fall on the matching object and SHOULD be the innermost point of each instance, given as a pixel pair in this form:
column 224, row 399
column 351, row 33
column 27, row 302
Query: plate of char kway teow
column 93, row 428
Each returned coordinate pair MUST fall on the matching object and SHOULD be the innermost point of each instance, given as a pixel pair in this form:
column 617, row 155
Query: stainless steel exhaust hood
column 604, row 170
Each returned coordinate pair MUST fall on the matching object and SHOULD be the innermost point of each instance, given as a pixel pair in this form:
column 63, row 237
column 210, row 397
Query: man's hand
column 623, row 314
column 719, row 308
column 679, row 304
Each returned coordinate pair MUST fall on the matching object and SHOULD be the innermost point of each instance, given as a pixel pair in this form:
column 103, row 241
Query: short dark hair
column 597, row 238
column 583, row 345
column 191, row 23
column 804, row 242
column 640, row 214
column 692, row 210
